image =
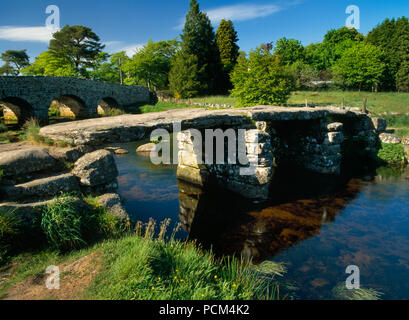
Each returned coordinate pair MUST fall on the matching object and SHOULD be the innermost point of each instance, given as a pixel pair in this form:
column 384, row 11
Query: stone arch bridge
column 32, row 96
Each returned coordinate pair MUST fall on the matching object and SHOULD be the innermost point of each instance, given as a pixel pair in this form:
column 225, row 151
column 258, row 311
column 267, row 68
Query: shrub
column 261, row 79
column 61, row 222
column 391, row 153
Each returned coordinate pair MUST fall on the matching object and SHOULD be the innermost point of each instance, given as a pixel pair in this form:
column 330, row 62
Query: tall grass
column 9, row 230
column 145, row 267
column 32, row 133
column 61, row 222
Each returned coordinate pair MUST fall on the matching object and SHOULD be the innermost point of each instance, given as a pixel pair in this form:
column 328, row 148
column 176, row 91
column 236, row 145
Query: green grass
column 340, row 292
column 140, row 268
column 376, row 102
column 163, row 106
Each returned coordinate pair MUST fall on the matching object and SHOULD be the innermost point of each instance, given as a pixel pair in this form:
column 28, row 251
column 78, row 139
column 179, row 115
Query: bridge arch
column 16, row 109
column 106, row 104
column 69, row 106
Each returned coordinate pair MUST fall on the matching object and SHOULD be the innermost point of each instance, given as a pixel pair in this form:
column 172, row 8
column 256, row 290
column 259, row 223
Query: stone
column 149, row 147
column 379, row 124
column 26, row 161
column 335, row 127
column 30, row 210
column 48, row 186
column 96, row 168
column 390, row 138
column 334, row 138
column 112, row 202
column 405, row 140
column 70, row 154
column 128, row 128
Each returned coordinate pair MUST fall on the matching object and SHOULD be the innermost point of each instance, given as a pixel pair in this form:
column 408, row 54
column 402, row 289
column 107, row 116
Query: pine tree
column 402, row 77
column 226, row 38
column 184, row 76
column 199, row 40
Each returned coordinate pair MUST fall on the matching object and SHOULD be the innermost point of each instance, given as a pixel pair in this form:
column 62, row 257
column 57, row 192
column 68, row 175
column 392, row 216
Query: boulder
column 26, row 161
column 405, row 140
column 29, row 210
column 390, row 138
column 70, row 154
column 149, row 147
column 112, row 202
column 47, row 186
column 96, row 168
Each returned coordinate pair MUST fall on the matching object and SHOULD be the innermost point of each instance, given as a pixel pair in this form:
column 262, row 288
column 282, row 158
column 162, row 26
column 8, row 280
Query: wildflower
column 215, row 277
column 234, row 285
column 153, row 288
column 181, row 280
column 177, row 270
column 202, row 295
column 159, row 279
column 175, row 277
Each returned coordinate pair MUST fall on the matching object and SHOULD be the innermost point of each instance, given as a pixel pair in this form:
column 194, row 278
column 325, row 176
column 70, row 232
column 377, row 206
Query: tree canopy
column 15, row 61
column 77, row 44
column 360, row 67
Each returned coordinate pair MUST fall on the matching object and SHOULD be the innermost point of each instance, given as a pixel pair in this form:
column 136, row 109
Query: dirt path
column 75, row 278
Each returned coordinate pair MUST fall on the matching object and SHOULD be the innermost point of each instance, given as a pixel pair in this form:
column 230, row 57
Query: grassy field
column 376, row 102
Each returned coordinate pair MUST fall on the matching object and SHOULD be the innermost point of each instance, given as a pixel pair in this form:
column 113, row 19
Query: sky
column 128, row 24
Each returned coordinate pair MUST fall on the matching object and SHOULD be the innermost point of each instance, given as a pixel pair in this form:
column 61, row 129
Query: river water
column 317, row 226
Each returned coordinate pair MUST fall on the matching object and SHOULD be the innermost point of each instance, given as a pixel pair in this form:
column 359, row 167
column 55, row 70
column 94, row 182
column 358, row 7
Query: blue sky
column 128, row 24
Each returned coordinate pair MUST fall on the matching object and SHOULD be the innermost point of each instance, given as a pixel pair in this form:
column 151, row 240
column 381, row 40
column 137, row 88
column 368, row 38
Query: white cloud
column 118, row 46
column 238, row 12
column 242, row 12
column 33, row 34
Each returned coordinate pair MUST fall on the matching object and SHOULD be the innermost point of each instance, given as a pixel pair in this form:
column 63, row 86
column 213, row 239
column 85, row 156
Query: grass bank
column 122, row 264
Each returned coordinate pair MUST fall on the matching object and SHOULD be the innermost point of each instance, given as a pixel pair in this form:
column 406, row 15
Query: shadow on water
column 317, row 225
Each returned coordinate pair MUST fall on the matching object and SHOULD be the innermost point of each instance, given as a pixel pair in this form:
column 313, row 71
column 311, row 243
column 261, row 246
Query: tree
column 393, row 37
column 261, row 79
column 47, row 64
column 184, row 76
column 226, row 38
column 15, row 60
column 77, row 44
column 7, row 70
column 109, row 71
column 198, row 39
column 152, row 63
column 322, row 56
column 402, row 77
column 361, row 67
column 291, row 50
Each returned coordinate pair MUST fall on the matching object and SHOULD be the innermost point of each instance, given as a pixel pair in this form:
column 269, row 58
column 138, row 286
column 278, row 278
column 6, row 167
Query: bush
column 261, row 79
column 112, row 112
column 391, row 153
column 62, row 222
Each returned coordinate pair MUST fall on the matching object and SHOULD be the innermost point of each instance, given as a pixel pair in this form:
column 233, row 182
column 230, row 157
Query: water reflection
column 232, row 225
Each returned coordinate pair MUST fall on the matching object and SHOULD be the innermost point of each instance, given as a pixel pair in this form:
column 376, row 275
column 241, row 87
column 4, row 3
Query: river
column 317, row 226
